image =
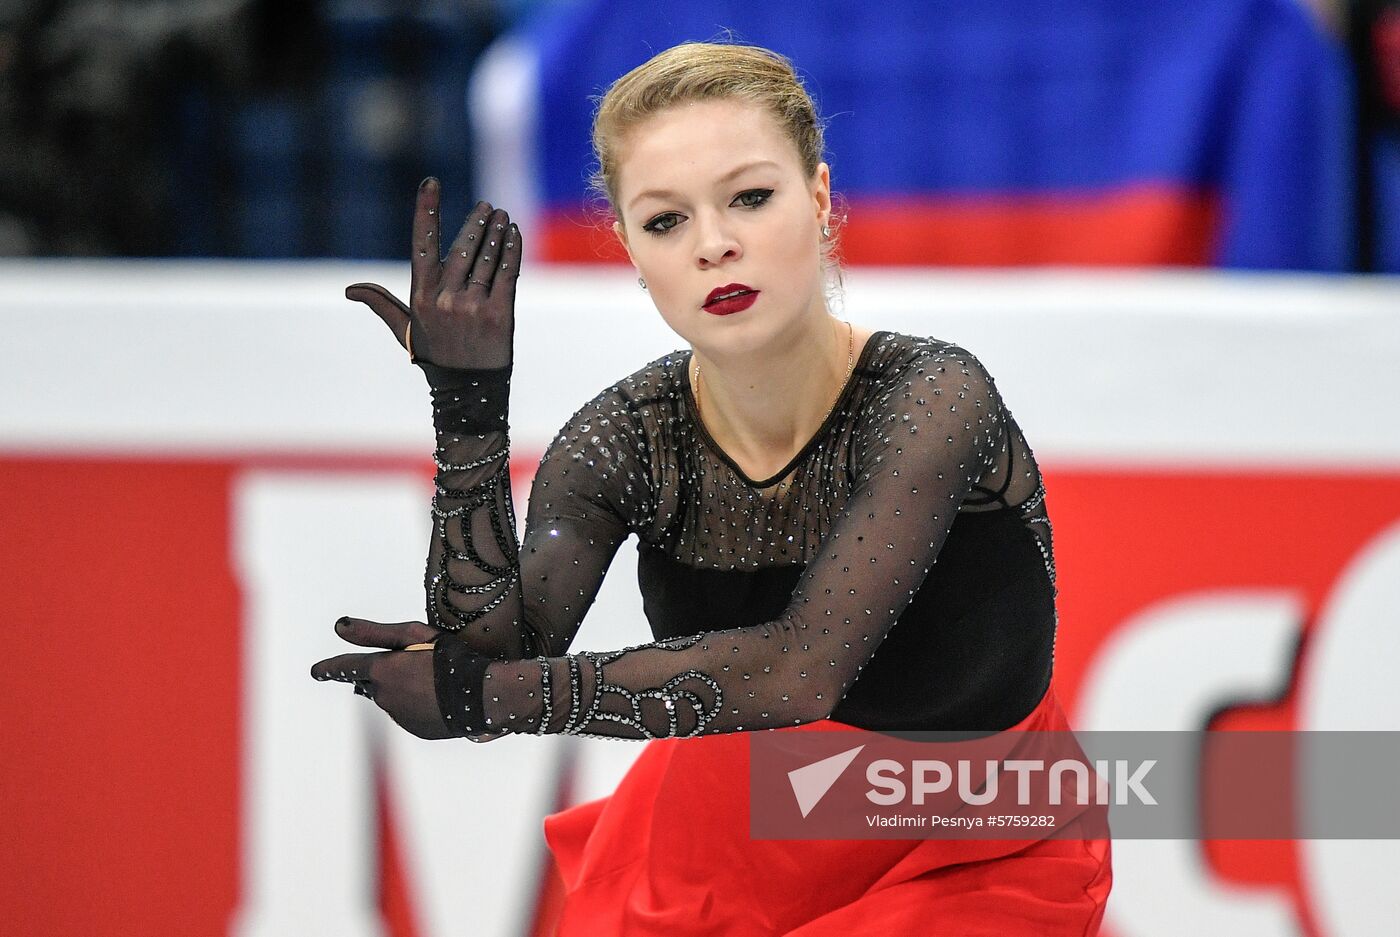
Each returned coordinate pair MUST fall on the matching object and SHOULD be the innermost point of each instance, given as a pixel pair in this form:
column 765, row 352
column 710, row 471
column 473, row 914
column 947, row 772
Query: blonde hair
column 704, row 71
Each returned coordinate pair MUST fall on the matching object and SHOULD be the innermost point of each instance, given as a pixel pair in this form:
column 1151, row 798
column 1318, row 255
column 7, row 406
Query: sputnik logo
column 811, row 782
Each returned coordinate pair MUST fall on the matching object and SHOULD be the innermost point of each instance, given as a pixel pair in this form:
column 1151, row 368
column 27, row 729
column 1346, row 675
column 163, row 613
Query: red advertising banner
column 169, row 577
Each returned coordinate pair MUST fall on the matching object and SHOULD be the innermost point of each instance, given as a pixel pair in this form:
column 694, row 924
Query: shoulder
column 899, row 359
column 613, row 439
column 653, row 383
column 625, row 415
column 657, row 381
column 923, row 393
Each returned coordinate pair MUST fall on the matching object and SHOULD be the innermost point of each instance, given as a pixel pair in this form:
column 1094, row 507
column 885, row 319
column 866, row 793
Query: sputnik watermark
column 932, row 776
column 848, row 783
column 885, row 773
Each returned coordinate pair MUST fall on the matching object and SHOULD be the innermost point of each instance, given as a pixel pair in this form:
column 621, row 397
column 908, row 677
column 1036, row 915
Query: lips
column 728, row 290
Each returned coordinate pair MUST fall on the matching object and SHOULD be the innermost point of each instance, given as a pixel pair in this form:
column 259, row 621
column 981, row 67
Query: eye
column 763, row 196
column 752, row 198
column 655, row 227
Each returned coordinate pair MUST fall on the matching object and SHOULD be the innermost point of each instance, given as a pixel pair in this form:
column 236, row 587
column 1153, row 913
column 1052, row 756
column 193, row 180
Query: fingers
column 483, row 272
column 509, row 267
column 426, row 264
column 397, row 635
column 385, row 305
column 470, row 243
column 482, row 262
column 345, row 668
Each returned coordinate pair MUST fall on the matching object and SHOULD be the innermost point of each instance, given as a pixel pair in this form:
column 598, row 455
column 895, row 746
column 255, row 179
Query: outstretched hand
column 461, row 309
column 398, row 681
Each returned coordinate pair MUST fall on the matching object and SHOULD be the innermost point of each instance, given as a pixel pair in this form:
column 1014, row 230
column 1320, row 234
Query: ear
column 621, row 233
column 821, row 193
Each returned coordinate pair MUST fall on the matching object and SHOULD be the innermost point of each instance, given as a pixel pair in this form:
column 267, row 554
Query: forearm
column 577, row 697
column 472, row 578
column 728, row 681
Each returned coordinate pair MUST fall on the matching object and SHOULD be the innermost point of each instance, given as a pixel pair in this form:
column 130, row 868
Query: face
column 709, row 194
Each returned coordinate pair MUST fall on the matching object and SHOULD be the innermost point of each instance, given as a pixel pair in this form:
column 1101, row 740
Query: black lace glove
column 461, row 309
column 458, row 327
column 400, row 681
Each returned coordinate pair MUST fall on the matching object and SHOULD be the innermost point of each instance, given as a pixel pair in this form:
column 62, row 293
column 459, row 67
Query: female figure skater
column 835, row 524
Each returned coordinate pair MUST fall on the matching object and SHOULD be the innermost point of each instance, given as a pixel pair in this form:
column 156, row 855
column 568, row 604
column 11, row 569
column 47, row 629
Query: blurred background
column 1259, row 134
column 1172, row 231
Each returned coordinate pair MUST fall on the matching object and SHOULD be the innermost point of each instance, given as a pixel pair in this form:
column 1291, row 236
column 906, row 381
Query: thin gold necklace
column 850, row 364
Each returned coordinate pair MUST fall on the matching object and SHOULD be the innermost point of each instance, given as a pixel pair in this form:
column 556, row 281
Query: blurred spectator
column 84, row 88
column 230, row 127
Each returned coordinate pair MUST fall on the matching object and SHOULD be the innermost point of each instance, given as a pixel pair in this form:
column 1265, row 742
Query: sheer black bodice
column 903, row 578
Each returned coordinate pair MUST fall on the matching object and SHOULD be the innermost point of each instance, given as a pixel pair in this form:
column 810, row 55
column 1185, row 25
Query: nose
column 716, row 243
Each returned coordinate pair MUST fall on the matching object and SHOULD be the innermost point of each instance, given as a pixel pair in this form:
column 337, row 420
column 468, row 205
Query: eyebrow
column 738, row 170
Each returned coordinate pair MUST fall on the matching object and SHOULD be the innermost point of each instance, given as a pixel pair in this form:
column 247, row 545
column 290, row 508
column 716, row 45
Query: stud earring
column 642, row 283
column 826, row 231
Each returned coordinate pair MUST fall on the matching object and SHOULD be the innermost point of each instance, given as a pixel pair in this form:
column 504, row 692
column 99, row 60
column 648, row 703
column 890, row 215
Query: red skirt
column 669, row 853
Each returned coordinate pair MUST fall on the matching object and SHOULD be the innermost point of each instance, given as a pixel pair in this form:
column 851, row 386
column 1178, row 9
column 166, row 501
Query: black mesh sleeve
column 499, row 598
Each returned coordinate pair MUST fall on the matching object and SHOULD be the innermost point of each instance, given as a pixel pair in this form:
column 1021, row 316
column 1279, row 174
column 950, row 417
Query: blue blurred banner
column 1198, row 133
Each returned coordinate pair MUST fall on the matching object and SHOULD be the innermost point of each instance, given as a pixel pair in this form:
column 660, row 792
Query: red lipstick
column 746, row 296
